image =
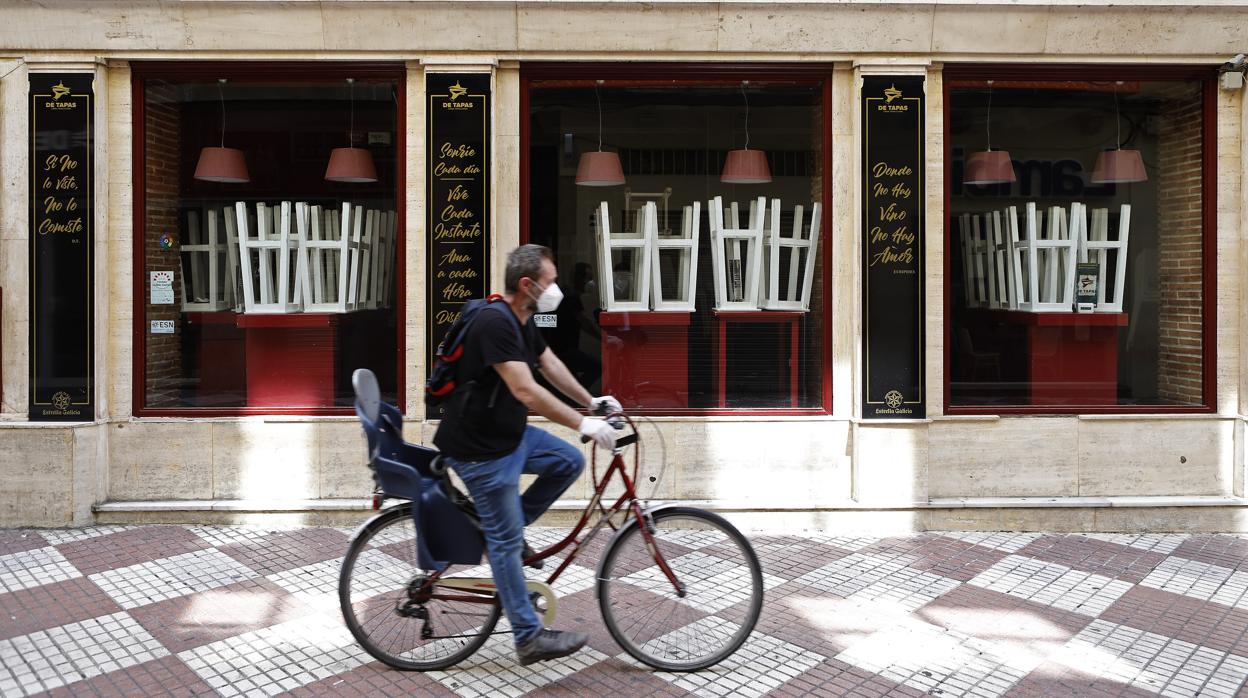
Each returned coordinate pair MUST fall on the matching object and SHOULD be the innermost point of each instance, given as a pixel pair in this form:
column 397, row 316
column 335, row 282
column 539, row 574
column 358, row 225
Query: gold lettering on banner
column 457, row 197
column 891, row 241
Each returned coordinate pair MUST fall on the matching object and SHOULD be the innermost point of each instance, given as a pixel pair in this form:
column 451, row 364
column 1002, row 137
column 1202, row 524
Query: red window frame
column 244, row 72
column 953, row 74
column 553, row 74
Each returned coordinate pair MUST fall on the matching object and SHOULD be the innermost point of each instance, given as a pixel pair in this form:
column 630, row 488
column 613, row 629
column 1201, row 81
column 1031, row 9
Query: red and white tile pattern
column 233, row 611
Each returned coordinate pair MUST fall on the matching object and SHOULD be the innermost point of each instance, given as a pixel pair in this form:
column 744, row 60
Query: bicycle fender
column 374, row 520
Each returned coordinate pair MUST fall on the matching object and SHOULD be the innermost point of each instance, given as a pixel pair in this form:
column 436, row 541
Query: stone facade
column 804, row 471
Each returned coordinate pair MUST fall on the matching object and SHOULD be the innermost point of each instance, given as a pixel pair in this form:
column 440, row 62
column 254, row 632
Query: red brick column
column 162, row 143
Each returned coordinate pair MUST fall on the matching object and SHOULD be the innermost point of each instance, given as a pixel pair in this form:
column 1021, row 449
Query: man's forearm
column 543, row 402
column 563, row 380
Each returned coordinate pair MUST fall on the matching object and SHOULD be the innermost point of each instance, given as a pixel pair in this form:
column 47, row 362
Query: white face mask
column 550, row 299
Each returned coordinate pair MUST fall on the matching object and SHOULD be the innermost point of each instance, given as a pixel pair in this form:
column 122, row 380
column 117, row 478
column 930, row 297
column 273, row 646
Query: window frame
column 250, row 72
column 1204, row 74
column 587, row 74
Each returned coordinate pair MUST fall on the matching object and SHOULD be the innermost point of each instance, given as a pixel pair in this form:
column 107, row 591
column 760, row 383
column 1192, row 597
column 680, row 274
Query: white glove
column 612, row 405
column 597, row 429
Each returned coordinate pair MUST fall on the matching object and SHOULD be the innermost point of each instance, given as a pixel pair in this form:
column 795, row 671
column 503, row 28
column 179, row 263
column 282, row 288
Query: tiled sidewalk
column 193, row 610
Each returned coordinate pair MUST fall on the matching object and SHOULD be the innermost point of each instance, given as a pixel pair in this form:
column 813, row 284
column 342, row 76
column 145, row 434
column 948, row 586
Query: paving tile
column 821, row 622
column 869, row 577
column 935, row 660
column 170, row 577
column 1153, row 662
column 372, row 680
column 59, row 536
column 184, row 622
column 12, row 541
column 612, row 677
column 129, row 547
column 1164, row 543
column 1182, row 617
column 1105, row 558
column 50, row 605
column 789, row 558
column 712, row 583
column 940, row 555
column 221, row 536
column 278, row 658
column 1003, row 541
column 166, row 676
column 1200, row 580
column 32, row 568
column 1052, row 584
column 1220, row 550
column 285, row 550
column 493, row 671
column 68, row 653
column 763, row 663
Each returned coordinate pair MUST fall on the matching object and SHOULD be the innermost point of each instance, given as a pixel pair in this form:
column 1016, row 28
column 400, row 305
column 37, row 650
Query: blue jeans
column 495, row 488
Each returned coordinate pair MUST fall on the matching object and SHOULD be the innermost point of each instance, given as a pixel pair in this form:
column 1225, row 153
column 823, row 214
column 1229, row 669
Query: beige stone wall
column 52, row 475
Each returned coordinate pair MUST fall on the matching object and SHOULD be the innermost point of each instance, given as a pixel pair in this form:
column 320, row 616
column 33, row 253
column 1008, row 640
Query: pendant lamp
column 599, row 168
column 222, row 164
column 351, row 164
column 745, row 166
column 1118, row 165
column 989, row 166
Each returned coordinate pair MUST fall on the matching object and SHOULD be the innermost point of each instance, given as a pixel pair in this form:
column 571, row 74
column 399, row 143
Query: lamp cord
column 989, row 124
column 1117, row 120
column 221, row 95
column 598, row 98
column 351, row 127
column 747, row 115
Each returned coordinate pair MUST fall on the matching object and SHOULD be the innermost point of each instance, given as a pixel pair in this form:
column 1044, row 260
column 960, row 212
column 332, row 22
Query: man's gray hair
column 525, row 260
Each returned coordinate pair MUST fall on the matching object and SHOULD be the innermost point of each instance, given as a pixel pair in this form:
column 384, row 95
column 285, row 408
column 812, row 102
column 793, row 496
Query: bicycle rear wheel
column 723, row 590
column 393, row 614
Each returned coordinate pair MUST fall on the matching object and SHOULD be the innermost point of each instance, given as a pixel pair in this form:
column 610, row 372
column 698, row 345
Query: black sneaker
column 550, row 644
column 527, row 553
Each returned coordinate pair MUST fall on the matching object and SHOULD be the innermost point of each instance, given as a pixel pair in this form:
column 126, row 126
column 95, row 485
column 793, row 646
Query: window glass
column 1081, row 282
column 252, row 296
column 648, row 316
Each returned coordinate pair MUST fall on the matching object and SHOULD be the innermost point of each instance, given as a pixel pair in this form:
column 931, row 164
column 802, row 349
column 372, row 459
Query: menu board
column 62, row 321
column 892, row 219
column 458, row 196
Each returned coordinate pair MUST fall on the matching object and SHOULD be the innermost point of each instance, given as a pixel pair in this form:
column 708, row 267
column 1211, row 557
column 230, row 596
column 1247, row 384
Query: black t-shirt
column 482, row 419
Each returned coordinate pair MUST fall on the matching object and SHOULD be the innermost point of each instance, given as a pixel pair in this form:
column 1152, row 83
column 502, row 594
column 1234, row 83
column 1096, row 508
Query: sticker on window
column 162, row 326
column 544, row 319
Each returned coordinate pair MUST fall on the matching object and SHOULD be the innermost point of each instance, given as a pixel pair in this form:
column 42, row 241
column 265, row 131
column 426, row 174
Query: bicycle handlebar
column 616, row 421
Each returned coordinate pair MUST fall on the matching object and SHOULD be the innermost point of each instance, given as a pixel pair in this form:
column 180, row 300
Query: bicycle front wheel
column 708, row 617
column 394, row 614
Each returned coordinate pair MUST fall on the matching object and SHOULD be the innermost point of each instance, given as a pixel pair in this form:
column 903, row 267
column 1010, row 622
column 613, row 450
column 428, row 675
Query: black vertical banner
column 892, row 245
column 457, row 202
column 62, row 318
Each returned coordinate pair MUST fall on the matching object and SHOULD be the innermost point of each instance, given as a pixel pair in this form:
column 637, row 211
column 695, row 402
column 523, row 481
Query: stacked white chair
column 635, row 251
column 803, row 246
column 974, row 261
column 736, row 278
column 324, row 257
column 1046, row 282
column 685, row 247
column 1095, row 246
column 208, row 265
column 270, row 285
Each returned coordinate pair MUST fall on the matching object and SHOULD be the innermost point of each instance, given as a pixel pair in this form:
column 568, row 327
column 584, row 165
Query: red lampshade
column 989, row 167
column 351, row 165
column 746, row 166
column 599, row 168
column 1119, row 166
column 222, row 165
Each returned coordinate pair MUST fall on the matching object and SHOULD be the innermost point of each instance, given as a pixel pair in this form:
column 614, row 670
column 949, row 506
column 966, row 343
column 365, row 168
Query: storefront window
column 270, row 232
column 1079, row 267
column 734, row 319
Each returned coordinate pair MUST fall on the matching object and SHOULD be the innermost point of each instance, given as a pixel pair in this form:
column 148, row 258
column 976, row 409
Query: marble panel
column 160, row 460
column 1155, row 457
column 1024, row 457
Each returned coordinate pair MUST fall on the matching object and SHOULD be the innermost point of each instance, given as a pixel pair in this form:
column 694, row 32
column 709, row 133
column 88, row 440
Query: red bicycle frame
column 628, row 497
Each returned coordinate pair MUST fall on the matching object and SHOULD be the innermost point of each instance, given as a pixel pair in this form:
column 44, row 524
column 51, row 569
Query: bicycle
column 679, row 588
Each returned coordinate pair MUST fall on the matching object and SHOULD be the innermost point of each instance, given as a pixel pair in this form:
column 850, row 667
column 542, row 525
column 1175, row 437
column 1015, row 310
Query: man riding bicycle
column 485, row 438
